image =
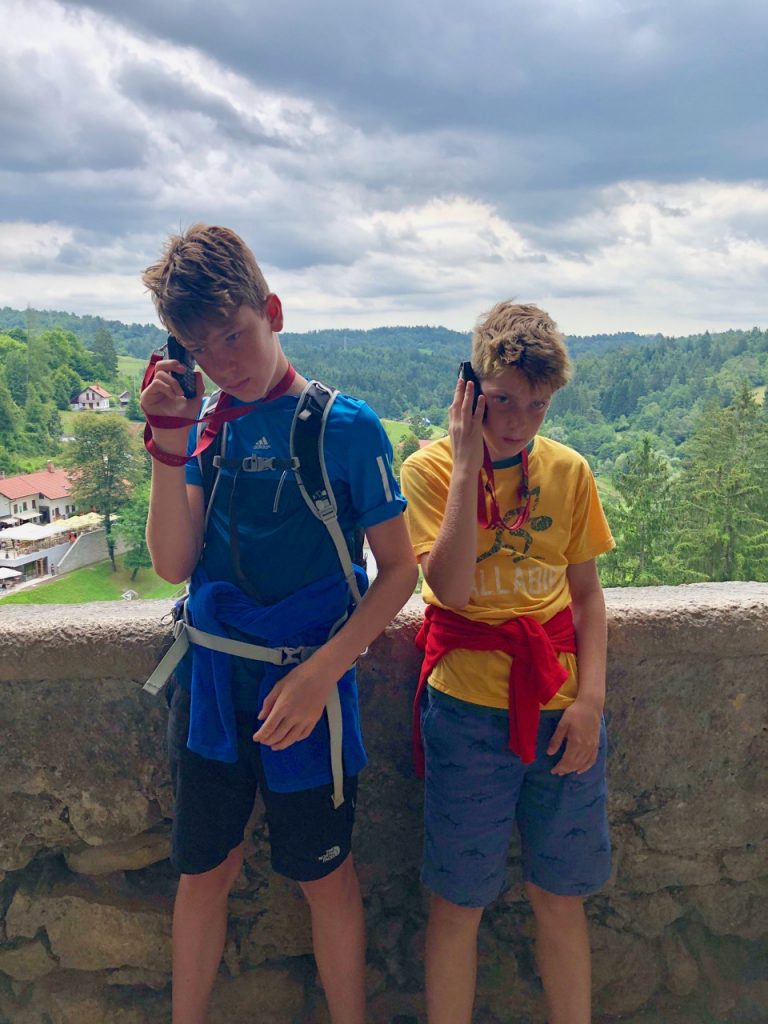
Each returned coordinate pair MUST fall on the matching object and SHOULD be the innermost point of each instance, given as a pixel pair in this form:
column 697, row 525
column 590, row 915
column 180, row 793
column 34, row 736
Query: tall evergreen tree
column 642, row 519
column 105, row 355
column 725, row 486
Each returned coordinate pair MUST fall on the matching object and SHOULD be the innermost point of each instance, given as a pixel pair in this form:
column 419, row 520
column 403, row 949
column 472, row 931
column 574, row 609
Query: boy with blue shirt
column 264, row 572
column 508, row 718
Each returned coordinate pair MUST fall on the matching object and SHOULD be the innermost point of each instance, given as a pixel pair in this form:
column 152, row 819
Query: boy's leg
column 199, row 931
column 338, row 939
column 562, row 953
column 311, row 844
column 471, row 788
column 451, row 961
column 213, row 802
column 566, row 856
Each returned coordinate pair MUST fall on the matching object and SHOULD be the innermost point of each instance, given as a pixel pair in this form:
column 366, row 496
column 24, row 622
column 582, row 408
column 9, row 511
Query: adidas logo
column 331, row 854
column 261, row 444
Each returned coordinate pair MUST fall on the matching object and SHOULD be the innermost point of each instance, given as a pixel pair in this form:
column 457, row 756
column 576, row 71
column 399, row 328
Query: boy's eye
column 539, row 404
column 232, row 338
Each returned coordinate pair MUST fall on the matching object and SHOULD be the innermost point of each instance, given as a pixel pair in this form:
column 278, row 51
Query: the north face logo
column 261, row 444
column 331, row 854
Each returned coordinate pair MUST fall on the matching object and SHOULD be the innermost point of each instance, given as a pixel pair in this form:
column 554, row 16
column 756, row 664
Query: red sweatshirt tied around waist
column 534, row 678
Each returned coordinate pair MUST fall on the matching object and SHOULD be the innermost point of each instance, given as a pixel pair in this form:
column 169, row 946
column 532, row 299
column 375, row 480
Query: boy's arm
column 295, row 704
column 580, row 723
column 449, row 567
column 176, row 512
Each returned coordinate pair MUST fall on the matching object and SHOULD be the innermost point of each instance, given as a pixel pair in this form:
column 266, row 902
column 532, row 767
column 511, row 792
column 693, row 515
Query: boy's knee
column 334, row 890
column 215, row 884
column 443, row 913
column 553, row 906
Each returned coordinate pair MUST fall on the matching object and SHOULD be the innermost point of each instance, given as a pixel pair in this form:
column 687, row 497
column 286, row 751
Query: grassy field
column 397, row 430
column 95, row 583
column 131, row 367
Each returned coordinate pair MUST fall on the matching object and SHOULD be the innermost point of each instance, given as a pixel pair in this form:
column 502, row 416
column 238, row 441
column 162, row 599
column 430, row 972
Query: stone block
column 27, row 962
column 266, row 994
column 92, row 936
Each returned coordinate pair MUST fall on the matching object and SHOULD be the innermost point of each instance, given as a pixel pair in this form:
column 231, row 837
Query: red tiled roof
column 50, row 483
column 97, row 388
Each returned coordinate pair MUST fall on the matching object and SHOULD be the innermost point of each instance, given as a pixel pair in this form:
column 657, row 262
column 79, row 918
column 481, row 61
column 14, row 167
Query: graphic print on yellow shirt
column 519, row 572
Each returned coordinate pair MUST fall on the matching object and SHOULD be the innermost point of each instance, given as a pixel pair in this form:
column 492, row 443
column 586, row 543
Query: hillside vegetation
column 674, row 428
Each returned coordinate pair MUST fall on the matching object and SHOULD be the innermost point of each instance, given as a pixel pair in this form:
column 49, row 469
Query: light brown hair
column 204, row 275
column 523, row 337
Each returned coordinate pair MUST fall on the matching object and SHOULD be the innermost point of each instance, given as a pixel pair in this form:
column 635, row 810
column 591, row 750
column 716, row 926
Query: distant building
column 125, row 397
column 40, row 497
column 94, row 398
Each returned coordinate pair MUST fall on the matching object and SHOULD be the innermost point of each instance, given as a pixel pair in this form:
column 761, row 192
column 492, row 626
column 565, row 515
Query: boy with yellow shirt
column 508, row 724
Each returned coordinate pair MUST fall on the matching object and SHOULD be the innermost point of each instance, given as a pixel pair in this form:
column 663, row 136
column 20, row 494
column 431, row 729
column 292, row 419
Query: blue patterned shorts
column 477, row 790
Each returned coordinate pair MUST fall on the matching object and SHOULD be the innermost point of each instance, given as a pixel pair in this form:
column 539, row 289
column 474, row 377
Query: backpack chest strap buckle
column 259, row 464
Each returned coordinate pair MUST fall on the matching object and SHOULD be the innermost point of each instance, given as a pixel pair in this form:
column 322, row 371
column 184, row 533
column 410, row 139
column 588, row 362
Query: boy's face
column 516, row 410
column 241, row 356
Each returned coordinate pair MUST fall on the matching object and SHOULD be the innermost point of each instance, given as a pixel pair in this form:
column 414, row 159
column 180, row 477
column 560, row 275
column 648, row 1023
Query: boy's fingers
column 557, row 740
column 288, row 739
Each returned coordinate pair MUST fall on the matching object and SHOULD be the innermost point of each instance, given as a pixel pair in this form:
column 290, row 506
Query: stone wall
column 680, row 934
column 90, row 547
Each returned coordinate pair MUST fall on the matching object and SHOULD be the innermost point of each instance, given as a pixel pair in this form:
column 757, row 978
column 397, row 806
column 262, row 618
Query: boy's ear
column 273, row 308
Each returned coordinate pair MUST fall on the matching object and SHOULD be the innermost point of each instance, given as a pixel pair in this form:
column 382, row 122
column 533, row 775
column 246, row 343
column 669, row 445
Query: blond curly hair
column 524, row 337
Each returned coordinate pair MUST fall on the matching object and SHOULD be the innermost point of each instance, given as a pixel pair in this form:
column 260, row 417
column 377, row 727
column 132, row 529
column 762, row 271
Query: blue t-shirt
column 282, row 545
column 282, row 548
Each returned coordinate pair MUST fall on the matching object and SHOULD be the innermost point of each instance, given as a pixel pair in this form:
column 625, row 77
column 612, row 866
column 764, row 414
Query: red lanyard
column 494, row 520
column 214, row 420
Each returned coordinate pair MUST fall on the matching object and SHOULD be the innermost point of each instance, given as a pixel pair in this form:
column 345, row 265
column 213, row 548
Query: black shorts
column 309, row 838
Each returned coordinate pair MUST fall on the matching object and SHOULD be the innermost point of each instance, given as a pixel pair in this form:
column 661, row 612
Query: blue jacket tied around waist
column 303, row 619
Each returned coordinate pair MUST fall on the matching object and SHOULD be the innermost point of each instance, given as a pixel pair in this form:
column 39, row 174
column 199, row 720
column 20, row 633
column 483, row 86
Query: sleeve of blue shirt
column 375, row 492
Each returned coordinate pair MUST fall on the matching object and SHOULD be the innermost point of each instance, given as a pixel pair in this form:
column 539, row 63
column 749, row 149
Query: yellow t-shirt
column 516, row 573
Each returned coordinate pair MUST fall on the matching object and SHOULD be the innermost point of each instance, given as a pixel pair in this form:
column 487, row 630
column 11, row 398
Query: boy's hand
column 292, row 708
column 466, row 427
column 163, row 395
column 579, row 728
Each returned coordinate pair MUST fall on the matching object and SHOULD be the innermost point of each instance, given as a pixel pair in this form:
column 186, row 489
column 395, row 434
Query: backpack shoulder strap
column 207, row 459
column 307, row 444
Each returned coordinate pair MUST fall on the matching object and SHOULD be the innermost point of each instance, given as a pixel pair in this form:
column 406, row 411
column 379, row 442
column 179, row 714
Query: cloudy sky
column 395, row 163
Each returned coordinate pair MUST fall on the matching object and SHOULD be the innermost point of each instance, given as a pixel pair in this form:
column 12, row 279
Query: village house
column 94, row 398
column 40, row 497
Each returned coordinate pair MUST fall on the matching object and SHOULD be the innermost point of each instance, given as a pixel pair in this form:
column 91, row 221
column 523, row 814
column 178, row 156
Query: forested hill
column 399, row 371
column 130, row 339
column 625, row 385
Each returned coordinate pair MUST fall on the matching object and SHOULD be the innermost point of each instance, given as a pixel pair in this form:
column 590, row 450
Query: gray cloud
column 394, row 161
column 651, row 87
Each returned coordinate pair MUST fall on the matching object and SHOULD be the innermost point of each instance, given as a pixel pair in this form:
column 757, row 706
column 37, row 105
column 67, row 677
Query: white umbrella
column 7, row 574
column 29, row 531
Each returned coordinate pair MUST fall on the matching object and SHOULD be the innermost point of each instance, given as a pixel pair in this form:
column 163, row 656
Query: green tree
column 16, row 374
column 132, row 527
column 724, row 535
column 10, row 417
column 64, row 384
column 105, row 462
column 42, row 425
column 642, row 520
column 420, row 427
column 133, row 409
column 105, row 356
